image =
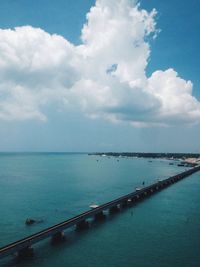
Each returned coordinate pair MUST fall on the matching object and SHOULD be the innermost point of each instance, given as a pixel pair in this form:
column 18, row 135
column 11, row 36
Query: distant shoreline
column 191, row 159
column 149, row 155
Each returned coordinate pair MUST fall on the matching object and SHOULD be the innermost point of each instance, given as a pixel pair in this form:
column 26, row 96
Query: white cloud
column 104, row 76
column 35, row 69
column 175, row 95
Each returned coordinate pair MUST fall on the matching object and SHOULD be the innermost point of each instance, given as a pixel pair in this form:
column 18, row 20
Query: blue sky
column 130, row 125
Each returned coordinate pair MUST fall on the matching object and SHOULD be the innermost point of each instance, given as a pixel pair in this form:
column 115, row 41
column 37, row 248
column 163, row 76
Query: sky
column 105, row 75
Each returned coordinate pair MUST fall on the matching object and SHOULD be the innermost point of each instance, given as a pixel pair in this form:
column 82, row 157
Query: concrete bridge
column 24, row 247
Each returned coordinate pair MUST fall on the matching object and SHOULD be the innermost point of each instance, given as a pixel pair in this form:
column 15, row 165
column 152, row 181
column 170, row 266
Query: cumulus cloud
column 103, row 77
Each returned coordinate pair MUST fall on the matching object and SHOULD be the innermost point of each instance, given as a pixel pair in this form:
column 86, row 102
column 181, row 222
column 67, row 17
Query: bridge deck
column 28, row 241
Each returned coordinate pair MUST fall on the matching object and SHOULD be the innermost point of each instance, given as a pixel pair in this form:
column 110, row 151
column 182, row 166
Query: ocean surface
column 162, row 231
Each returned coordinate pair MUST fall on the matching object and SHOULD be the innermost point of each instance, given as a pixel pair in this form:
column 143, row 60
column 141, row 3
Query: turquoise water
column 163, row 230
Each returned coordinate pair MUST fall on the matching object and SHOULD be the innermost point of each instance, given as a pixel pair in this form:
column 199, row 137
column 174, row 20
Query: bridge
column 24, row 247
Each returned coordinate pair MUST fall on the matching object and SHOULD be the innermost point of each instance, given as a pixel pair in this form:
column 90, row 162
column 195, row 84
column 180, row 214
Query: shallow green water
column 163, row 230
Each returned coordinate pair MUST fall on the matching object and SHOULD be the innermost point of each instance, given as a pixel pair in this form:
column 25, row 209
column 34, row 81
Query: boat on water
column 29, row 221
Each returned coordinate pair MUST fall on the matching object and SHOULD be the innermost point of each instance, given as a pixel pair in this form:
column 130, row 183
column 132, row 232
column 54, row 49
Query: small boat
column 29, row 221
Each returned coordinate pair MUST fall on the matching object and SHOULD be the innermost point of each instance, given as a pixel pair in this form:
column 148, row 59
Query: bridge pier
column 26, row 252
column 100, row 216
column 145, row 193
column 124, row 204
column 58, row 237
column 114, row 209
column 82, row 225
column 130, row 201
column 135, row 198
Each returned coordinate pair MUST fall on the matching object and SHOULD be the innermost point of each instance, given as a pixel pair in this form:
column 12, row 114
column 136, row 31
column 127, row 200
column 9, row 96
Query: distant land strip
column 190, row 158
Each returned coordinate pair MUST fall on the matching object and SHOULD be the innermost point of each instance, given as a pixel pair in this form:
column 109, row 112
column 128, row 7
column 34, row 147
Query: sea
column 160, row 231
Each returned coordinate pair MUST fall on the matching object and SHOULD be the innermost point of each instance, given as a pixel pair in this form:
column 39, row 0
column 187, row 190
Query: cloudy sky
column 104, row 75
